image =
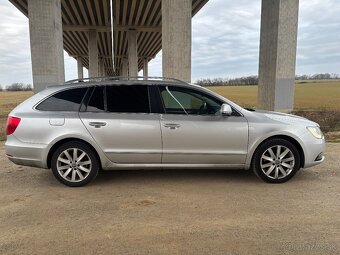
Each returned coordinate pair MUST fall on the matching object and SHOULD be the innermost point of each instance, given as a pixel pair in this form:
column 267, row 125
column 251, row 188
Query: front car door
column 195, row 132
column 120, row 121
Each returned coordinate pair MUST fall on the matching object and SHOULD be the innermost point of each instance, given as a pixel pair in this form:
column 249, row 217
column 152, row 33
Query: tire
column 272, row 169
column 78, row 172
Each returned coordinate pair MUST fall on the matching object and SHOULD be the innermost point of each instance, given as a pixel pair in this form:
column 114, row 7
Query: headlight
column 316, row 132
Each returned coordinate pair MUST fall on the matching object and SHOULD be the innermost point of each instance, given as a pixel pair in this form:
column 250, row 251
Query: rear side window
column 96, row 103
column 67, row 100
column 128, row 99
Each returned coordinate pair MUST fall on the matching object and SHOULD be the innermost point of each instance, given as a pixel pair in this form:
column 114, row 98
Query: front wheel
column 276, row 161
column 75, row 164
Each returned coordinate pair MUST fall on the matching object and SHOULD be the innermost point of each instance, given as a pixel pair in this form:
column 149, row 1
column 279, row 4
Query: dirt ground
column 171, row 212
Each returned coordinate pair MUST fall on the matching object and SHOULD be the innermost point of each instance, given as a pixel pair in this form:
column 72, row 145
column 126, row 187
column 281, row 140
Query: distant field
column 320, row 97
column 308, row 95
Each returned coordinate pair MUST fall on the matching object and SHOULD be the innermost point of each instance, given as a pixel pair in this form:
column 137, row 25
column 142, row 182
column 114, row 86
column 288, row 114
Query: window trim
column 156, row 100
column 89, row 99
column 85, row 100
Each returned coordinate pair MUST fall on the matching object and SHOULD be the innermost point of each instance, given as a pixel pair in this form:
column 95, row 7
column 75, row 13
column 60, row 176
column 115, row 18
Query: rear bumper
column 26, row 162
column 26, row 154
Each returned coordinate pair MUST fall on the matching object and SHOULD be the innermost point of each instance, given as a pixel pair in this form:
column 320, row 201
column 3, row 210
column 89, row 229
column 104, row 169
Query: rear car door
column 119, row 119
column 195, row 132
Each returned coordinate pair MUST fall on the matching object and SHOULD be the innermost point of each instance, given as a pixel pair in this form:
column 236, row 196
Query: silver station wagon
column 84, row 126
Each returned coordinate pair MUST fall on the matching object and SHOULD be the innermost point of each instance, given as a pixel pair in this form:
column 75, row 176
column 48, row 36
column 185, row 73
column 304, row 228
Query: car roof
column 69, row 85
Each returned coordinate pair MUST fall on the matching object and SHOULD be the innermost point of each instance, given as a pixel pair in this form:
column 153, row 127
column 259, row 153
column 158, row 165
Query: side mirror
column 226, row 110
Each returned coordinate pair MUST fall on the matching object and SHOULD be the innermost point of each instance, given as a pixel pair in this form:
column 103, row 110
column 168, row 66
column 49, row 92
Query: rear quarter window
column 67, row 100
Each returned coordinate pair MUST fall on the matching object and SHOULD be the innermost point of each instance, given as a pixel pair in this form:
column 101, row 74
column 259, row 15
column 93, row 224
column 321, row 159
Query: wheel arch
column 287, row 138
column 65, row 140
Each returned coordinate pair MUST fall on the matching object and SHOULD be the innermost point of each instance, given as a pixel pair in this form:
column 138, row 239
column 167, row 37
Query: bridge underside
column 120, row 37
column 78, row 17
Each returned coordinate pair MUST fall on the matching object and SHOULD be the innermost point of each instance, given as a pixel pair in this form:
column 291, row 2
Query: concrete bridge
column 120, row 37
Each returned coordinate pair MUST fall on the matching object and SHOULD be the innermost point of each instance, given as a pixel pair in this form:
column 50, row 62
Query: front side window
column 127, row 99
column 67, row 100
column 178, row 100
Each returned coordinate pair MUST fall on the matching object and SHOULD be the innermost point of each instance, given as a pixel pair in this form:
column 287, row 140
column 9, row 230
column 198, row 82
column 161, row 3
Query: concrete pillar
column 132, row 53
column 102, row 67
column 46, row 38
column 125, row 68
column 279, row 24
column 101, row 71
column 176, row 39
column 145, row 68
column 99, row 67
column 93, row 54
column 80, row 67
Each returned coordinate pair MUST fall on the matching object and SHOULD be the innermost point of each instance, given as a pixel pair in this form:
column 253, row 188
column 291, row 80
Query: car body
column 142, row 124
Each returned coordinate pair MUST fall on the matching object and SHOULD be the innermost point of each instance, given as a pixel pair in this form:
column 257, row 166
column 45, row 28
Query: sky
column 225, row 41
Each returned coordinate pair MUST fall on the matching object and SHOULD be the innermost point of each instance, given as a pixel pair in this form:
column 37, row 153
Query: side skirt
column 172, row 166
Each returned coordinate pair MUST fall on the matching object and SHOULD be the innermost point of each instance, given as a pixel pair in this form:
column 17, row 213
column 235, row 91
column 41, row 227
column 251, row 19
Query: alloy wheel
column 277, row 162
column 74, row 165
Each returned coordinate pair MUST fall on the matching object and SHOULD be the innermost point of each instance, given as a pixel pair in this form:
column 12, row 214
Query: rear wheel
column 75, row 164
column 276, row 161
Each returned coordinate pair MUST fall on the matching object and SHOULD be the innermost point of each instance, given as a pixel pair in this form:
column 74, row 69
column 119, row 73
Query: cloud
column 15, row 60
column 225, row 41
column 318, row 37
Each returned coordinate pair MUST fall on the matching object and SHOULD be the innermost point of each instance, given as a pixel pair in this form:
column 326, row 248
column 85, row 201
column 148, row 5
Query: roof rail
column 122, row 78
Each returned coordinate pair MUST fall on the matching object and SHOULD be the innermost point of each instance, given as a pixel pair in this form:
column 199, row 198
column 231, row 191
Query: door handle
column 97, row 124
column 172, row 125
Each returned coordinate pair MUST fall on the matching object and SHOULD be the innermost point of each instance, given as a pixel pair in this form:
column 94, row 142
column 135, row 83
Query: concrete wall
column 279, row 23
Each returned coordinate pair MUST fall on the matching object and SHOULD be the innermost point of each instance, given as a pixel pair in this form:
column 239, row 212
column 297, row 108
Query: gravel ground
column 171, row 212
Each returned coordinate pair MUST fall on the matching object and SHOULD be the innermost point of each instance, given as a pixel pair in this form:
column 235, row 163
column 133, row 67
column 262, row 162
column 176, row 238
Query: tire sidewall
column 88, row 150
column 262, row 148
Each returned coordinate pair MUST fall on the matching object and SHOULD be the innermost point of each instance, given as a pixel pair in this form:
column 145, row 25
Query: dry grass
column 329, row 121
column 245, row 96
column 309, row 95
column 9, row 100
column 316, row 100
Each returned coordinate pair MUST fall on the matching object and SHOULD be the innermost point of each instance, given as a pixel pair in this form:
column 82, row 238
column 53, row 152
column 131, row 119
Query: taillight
column 12, row 124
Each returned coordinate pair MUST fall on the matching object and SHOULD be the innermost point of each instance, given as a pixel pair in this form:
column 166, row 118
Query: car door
column 195, row 132
column 119, row 120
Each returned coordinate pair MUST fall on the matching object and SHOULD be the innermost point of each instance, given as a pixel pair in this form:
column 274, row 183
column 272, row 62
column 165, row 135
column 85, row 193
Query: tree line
column 18, row 86
column 245, row 80
column 254, row 80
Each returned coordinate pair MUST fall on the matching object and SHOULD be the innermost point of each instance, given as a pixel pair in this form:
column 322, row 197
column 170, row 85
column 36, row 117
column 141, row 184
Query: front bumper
column 314, row 152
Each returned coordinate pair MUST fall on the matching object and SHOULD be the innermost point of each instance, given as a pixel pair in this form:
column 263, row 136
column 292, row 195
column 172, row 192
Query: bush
column 19, row 87
column 254, row 80
column 247, row 80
